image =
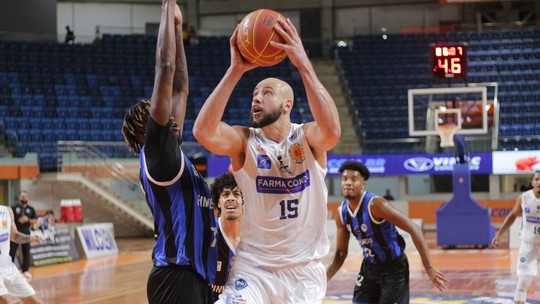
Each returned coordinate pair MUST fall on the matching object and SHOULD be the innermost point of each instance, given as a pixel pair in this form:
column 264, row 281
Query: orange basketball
column 254, row 35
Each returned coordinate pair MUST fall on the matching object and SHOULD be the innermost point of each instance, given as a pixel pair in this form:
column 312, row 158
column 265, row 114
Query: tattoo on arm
column 22, row 238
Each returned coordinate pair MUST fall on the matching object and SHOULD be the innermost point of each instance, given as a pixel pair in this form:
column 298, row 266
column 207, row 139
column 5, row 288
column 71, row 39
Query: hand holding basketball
column 254, row 36
column 293, row 44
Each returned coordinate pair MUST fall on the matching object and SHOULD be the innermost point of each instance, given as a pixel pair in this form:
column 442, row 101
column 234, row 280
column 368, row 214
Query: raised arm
column 342, row 250
column 180, row 90
column 381, row 209
column 508, row 221
column 215, row 135
column 325, row 131
column 160, row 108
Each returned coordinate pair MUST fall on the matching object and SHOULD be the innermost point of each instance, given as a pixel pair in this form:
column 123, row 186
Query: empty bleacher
column 378, row 72
column 51, row 92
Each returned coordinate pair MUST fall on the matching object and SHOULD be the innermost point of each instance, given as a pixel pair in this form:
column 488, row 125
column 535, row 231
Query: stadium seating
column 378, row 72
column 51, row 92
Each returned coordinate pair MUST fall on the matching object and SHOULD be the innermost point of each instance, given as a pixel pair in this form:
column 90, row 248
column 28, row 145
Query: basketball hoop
column 446, row 133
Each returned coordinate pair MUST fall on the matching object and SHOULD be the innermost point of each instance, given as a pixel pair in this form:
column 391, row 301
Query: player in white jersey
column 280, row 168
column 12, row 282
column 528, row 206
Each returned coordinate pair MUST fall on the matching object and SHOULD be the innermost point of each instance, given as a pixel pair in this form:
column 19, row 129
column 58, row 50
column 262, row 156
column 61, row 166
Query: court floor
column 476, row 276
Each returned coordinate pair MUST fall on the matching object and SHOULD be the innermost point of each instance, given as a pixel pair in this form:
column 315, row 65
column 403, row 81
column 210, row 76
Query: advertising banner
column 516, row 162
column 97, row 240
column 380, row 165
column 57, row 247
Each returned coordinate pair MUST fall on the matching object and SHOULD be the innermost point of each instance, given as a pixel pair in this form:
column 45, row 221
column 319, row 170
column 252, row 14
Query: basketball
column 254, row 35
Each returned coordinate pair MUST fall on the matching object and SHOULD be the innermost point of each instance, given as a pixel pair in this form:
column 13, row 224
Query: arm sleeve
column 162, row 152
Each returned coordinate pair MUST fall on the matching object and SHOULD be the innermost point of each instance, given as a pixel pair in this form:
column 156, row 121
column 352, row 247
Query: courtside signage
column 407, row 164
column 97, row 240
column 399, row 164
column 516, row 162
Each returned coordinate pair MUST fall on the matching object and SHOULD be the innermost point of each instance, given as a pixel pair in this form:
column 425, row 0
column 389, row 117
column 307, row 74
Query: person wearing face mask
column 25, row 217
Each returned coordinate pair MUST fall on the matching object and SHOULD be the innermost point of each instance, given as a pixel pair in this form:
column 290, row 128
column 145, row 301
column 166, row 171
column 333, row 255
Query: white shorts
column 527, row 262
column 247, row 284
column 12, row 282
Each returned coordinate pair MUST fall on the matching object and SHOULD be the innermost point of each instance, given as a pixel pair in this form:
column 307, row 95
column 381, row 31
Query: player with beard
column 528, row 207
column 280, row 167
column 384, row 275
column 229, row 201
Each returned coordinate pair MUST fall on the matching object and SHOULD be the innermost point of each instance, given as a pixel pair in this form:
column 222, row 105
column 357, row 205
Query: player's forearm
column 422, row 247
column 337, row 262
column 180, row 82
column 166, row 50
column 508, row 221
column 321, row 104
column 21, row 238
column 333, row 269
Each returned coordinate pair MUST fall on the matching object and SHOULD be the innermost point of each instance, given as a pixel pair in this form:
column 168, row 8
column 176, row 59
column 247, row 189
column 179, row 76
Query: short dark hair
column 135, row 122
column 355, row 166
column 226, row 180
column 49, row 212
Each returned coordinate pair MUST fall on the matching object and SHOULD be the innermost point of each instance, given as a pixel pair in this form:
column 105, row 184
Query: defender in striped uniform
column 384, row 275
column 280, row 168
column 528, row 206
column 185, row 251
column 230, row 204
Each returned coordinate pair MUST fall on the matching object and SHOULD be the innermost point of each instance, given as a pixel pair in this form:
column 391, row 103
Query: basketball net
column 446, row 133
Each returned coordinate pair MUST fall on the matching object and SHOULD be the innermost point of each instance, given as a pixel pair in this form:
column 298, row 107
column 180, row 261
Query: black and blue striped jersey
column 380, row 241
column 184, row 220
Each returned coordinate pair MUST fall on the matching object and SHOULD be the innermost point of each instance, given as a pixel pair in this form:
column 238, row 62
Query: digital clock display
column 449, row 61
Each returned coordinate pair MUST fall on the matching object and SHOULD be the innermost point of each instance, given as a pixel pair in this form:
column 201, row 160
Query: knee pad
column 522, row 287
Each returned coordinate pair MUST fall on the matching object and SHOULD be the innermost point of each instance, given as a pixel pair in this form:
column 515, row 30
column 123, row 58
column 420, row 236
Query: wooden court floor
column 476, row 276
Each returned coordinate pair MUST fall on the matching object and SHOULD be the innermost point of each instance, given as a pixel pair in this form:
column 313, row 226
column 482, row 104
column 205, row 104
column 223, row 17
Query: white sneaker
column 27, row 275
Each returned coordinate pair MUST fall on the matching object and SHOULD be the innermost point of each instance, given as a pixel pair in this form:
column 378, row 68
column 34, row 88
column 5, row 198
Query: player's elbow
column 332, row 136
column 334, row 133
column 199, row 131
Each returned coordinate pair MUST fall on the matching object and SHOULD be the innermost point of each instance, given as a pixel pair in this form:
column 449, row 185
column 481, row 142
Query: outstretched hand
column 237, row 60
column 293, row 44
column 437, row 278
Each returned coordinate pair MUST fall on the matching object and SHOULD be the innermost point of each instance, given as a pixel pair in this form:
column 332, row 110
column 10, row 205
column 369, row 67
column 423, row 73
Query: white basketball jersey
column 530, row 230
column 285, row 199
column 5, row 231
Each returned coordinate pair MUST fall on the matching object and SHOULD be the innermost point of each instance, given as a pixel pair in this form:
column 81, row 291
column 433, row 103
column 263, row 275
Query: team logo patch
column 4, row 224
column 4, row 237
column 363, row 227
column 527, row 210
column 522, row 259
column 263, row 162
column 296, row 152
column 240, row 284
column 292, row 137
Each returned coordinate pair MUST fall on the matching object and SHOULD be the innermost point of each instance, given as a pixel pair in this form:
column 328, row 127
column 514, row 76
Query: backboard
column 465, row 107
